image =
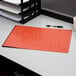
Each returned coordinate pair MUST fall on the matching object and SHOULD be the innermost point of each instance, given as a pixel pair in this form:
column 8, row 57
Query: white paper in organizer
column 17, row 2
column 10, row 15
column 9, row 7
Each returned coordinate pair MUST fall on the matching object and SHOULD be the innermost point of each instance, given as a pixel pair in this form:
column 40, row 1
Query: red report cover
column 42, row 39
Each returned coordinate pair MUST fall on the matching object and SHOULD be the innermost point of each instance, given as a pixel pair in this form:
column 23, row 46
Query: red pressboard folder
column 43, row 39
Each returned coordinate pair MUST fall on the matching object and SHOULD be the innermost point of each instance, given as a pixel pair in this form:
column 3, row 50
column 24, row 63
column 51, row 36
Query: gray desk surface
column 44, row 63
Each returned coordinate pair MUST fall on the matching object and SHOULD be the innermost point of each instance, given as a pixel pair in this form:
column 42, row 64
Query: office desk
column 44, row 63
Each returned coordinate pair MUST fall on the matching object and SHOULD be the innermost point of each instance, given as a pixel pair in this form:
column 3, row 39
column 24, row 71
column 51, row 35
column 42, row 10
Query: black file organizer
column 32, row 12
column 34, row 9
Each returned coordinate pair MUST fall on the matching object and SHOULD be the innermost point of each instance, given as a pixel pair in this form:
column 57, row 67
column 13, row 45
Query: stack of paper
column 10, row 15
column 11, row 9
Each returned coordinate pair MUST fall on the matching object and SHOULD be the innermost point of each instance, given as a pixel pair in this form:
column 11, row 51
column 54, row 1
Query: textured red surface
column 45, row 39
